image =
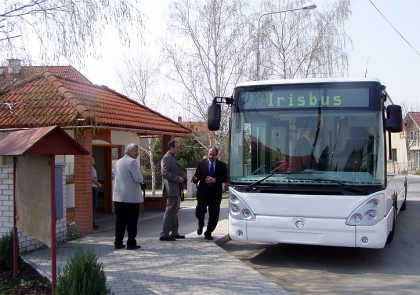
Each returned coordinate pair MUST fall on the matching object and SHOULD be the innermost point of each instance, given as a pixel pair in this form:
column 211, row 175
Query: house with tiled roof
column 102, row 120
column 412, row 126
column 16, row 72
column 201, row 129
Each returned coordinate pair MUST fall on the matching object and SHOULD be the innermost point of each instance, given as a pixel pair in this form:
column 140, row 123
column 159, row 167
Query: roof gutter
column 140, row 132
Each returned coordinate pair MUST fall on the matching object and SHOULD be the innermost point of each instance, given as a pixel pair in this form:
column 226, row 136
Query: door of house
column 105, row 158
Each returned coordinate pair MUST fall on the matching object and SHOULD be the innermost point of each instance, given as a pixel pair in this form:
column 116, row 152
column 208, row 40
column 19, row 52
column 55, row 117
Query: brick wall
column 156, row 203
column 27, row 243
column 83, row 185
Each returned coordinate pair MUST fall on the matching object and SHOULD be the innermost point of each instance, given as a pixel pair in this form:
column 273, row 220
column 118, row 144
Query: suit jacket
column 128, row 181
column 202, row 172
column 171, row 172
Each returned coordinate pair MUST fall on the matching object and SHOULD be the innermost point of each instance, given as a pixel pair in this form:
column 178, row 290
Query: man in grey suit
column 172, row 182
column 127, row 197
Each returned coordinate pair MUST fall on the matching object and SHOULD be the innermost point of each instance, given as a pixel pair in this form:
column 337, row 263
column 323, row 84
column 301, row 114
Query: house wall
column 124, row 138
column 399, row 143
column 413, row 145
column 27, row 243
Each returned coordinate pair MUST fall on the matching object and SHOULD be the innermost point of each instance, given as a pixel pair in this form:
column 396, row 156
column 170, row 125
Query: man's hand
column 210, row 179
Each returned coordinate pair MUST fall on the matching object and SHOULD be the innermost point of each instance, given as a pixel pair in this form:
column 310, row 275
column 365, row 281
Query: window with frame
column 413, row 138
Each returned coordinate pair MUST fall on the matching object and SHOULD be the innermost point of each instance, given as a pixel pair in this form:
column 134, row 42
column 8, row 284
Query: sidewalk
column 191, row 266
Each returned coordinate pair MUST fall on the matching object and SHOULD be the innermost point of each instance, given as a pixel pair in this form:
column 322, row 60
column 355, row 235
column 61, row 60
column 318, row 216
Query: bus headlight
column 368, row 213
column 372, row 214
column 357, row 217
column 238, row 209
column 246, row 214
column 233, row 199
column 234, row 209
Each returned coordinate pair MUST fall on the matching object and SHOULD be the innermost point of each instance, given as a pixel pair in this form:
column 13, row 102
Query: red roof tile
column 47, row 99
column 67, row 72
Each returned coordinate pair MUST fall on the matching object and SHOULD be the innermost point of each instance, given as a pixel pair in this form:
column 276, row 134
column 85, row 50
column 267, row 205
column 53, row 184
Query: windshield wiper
column 252, row 185
column 343, row 185
column 349, row 187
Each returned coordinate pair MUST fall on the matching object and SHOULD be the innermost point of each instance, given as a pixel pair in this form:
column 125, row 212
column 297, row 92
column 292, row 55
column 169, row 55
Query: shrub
column 82, row 275
column 6, row 251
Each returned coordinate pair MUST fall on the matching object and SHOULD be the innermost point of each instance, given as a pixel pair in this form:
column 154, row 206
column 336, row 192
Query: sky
column 377, row 50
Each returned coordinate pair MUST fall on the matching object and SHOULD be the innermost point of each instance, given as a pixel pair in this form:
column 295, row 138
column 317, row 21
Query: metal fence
column 158, row 182
column 413, row 166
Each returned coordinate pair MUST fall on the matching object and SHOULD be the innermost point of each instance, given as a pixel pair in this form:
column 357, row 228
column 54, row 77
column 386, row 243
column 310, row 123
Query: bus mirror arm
column 227, row 100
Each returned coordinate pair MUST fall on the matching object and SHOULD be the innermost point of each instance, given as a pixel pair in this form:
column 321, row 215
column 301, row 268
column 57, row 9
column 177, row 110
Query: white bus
column 311, row 161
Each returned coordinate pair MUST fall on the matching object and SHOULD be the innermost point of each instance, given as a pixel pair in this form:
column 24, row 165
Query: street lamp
column 306, row 6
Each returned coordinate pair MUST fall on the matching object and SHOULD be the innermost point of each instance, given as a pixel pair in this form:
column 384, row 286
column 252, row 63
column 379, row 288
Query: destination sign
column 305, row 98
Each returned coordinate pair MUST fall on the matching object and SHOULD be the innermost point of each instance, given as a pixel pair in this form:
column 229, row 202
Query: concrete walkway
column 191, row 266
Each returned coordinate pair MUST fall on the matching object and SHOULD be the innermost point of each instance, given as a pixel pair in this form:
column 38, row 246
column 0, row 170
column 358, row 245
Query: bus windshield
column 307, row 136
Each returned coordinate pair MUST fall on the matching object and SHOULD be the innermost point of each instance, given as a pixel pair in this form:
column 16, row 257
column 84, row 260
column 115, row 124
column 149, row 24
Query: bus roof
column 306, row 81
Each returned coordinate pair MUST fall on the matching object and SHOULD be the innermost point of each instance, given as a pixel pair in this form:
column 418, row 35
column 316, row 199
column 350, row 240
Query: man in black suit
column 211, row 174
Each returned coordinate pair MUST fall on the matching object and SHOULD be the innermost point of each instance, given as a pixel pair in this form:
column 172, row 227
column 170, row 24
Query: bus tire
column 404, row 206
column 391, row 234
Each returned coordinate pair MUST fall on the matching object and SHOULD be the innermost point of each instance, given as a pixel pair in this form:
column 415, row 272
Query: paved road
column 332, row 270
column 190, row 266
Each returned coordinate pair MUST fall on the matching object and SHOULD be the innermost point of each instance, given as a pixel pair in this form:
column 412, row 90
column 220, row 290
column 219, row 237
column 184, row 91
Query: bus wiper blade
column 349, row 187
column 252, row 185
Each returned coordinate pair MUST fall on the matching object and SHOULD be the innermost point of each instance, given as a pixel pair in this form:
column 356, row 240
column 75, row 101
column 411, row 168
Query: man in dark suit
column 211, row 174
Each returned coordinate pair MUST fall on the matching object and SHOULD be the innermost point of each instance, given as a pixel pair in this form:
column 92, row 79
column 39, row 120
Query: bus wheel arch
column 404, row 206
column 392, row 232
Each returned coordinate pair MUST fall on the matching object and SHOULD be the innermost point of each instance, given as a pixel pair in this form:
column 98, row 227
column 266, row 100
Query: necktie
column 211, row 174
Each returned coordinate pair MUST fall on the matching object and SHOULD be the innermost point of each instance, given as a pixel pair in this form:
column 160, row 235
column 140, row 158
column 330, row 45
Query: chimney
column 14, row 66
column 179, row 119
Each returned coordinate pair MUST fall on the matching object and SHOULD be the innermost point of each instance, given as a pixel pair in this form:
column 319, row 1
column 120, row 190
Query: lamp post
column 306, row 6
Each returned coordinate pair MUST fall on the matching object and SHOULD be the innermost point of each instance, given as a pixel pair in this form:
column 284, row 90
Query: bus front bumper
column 309, row 231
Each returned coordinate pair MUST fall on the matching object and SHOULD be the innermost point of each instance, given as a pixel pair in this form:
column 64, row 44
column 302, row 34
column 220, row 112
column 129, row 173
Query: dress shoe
column 208, row 237
column 167, row 239
column 135, row 247
column 199, row 230
column 178, row 237
column 119, row 246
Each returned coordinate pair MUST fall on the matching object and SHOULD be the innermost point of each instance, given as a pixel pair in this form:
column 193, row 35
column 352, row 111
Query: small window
column 394, row 154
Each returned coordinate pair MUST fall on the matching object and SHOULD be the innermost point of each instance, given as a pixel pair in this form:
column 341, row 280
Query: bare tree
column 207, row 50
column 303, row 43
column 138, row 75
column 408, row 107
column 212, row 45
column 67, row 29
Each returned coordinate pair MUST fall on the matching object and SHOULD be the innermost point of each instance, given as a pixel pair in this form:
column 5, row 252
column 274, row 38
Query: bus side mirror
column 394, row 121
column 214, row 115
